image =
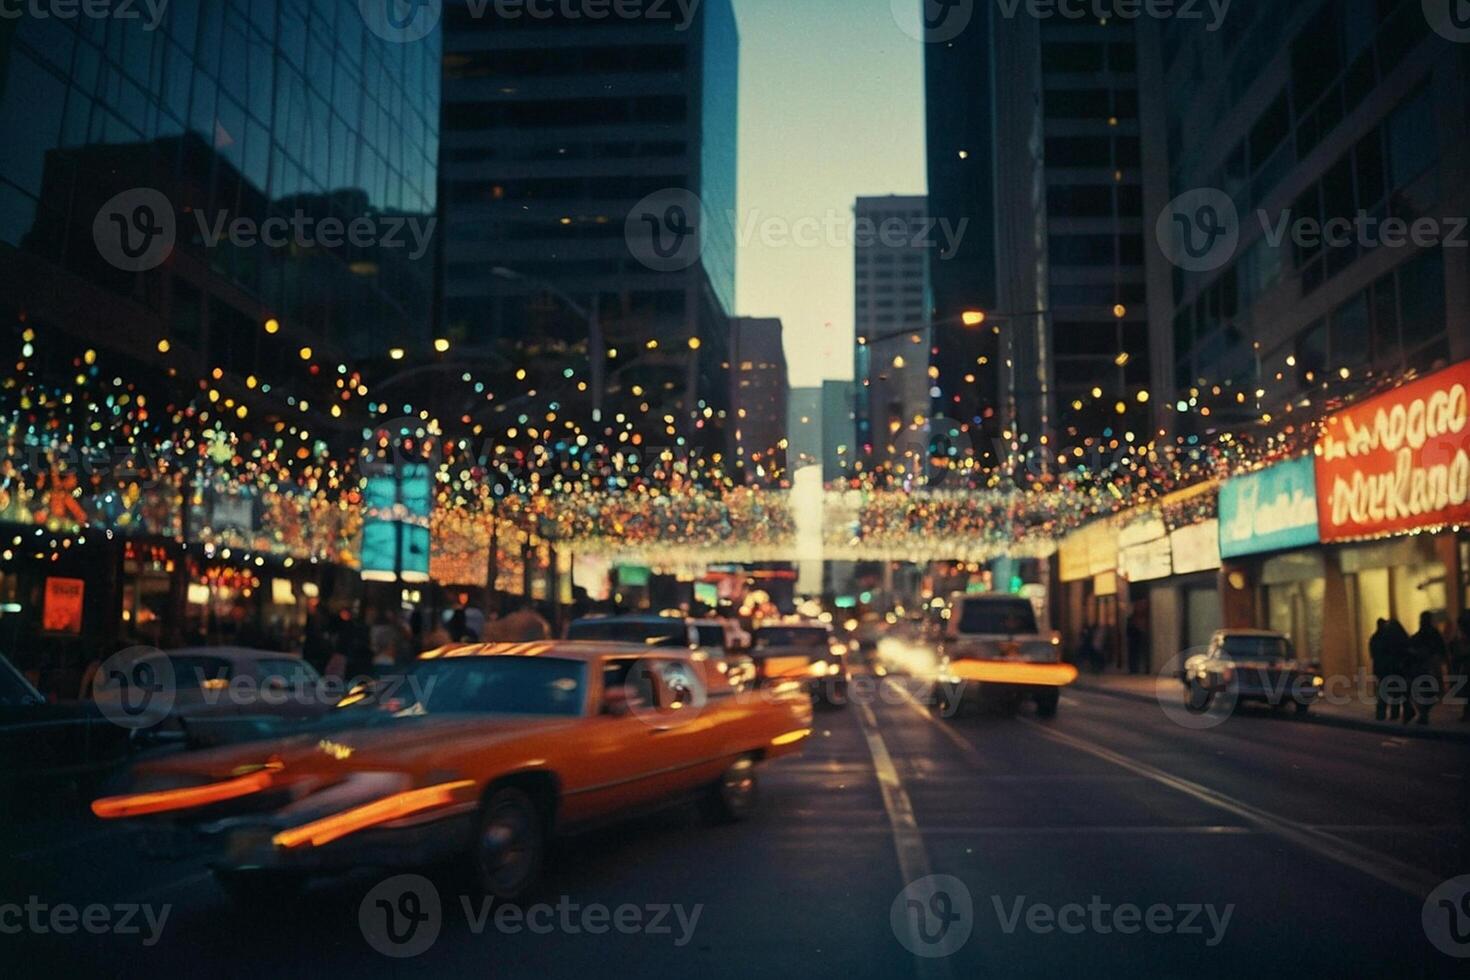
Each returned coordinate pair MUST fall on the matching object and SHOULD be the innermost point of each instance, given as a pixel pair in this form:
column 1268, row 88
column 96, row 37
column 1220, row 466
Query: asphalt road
column 1108, row 842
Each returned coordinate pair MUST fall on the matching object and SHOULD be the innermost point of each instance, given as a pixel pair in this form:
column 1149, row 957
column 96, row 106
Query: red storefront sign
column 1399, row 461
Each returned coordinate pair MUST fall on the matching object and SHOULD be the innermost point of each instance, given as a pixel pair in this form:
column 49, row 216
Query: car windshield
column 192, row 670
column 654, row 633
column 792, row 636
column 288, row 671
column 491, row 686
column 1256, row 648
column 1001, row 617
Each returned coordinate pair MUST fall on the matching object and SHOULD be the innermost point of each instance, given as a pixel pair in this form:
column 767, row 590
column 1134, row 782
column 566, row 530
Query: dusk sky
column 831, row 108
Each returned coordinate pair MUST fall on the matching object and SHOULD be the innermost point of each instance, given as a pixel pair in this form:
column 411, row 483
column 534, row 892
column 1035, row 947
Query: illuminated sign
column 62, row 611
column 1270, row 510
column 1196, row 548
column 1397, row 462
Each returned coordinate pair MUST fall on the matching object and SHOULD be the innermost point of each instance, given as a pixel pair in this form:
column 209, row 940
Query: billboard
column 1269, row 510
column 1397, row 462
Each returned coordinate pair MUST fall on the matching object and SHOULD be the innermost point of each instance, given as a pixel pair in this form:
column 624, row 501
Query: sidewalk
column 1445, row 724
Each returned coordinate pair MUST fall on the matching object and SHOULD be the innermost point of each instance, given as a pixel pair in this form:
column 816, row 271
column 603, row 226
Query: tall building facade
column 1323, row 111
column 839, row 429
column 892, row 247
column 804, row 428
column 760, row 391
column 557, row 129
column 211, row 224
column 1048, row 168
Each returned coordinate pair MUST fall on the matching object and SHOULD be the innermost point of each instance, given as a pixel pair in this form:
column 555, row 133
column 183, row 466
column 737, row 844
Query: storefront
column 1393, row 502
column 1087, row 570
column 1275, row 571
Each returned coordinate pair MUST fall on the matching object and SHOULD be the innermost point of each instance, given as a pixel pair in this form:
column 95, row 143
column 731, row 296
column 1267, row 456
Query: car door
column 630, row 759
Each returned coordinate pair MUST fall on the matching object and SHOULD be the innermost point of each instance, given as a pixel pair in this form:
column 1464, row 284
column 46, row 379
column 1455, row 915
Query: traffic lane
column 1036, row 864
column 761, row 895
column 1408, row 798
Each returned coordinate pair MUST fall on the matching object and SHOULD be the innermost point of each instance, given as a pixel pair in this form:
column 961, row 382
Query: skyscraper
column 1048, row 168
column 759, row 398
column 892, row 245
column 567, row 137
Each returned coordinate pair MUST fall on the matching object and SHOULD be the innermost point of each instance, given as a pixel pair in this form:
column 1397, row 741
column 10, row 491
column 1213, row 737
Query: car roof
column 563, row 649
column 644, row 618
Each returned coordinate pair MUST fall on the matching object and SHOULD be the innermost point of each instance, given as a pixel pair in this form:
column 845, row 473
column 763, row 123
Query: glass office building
column 238, row 108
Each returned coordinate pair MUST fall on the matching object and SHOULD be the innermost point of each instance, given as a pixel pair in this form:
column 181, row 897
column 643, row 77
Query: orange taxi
column 475, row 754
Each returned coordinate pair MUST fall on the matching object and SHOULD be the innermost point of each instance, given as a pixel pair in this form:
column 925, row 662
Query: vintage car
column 995, row 646
column 44, row 744
column 475, row 755
column 221, row 694
column 720, row 641
column 1250, row 665
column 807, row 651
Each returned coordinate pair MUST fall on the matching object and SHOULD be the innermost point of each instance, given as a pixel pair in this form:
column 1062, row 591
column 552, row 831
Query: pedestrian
column 522, row 624
column 1137, row 647
column 1381, row 656
column 1427, row 666
column 1459, row 686
column 1397, row 656
column 459, row 627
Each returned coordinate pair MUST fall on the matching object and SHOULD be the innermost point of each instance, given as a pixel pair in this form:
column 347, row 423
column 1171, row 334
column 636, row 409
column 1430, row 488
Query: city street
column 1264, row 840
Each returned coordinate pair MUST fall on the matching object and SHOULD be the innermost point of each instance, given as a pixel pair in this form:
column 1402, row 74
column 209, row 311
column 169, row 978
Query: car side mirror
column 620, row 701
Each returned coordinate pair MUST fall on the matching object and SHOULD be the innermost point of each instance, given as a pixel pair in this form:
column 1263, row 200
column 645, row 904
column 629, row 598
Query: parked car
column 806, row 651
column 995, row 644
column 229, row 694
column 482, row 753
column 1251, row 665
column 48, row 743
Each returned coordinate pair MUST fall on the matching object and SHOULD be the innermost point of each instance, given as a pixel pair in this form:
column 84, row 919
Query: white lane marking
column 1390, row 871
column 908, row 842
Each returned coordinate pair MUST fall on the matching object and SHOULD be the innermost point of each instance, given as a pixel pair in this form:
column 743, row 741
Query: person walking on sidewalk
column 1460, row 665
column 1398, row 653
column 1380, row 652
column 1428, row 658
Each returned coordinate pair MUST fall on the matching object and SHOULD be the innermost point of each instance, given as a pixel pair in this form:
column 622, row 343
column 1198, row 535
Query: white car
column 996, row 644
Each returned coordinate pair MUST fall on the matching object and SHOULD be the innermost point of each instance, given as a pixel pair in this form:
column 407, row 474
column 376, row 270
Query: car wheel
column 509, row 844
column 1046, row 704
column 1197, row 698
column 733, row 795
column 260, row 891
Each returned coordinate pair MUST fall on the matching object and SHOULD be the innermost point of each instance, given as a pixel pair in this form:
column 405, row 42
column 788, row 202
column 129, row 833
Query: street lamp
column 596, row 353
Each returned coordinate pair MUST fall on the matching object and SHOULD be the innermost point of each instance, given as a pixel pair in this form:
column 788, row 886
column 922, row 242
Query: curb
column 1315, row 718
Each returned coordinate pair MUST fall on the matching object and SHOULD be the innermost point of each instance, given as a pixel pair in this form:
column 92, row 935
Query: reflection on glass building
column 181, row 394
column 284, row 109
column 555, row 126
